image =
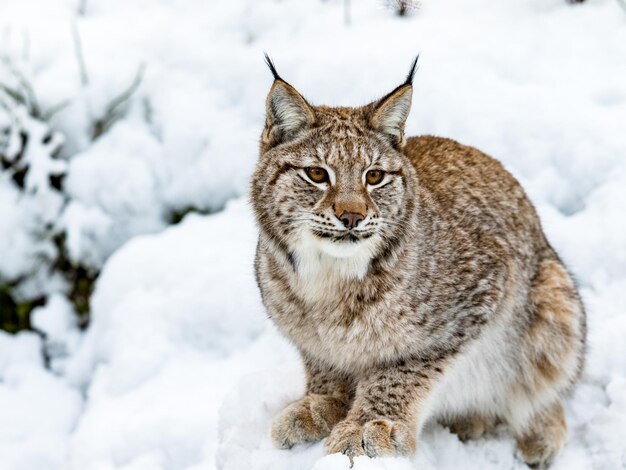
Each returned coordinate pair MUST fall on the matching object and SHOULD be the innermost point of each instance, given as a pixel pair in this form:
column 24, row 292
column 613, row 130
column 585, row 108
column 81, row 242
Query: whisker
column 324, row 229
column 391, row 223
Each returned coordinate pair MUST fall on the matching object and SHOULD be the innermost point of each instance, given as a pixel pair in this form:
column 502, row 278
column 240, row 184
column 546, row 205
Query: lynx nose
column 351, row 219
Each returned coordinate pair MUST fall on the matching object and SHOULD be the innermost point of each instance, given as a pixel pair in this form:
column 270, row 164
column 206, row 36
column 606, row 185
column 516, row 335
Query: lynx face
column 343, row 195
column 333, row 182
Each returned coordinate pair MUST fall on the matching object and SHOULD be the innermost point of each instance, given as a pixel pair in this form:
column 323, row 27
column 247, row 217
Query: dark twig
column 112, row 112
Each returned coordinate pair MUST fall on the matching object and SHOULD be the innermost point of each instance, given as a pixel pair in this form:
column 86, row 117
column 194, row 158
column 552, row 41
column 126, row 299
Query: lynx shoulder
column 414, row 278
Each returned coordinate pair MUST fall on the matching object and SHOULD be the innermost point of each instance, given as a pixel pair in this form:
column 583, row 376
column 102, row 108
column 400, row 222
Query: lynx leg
column 384, row 418
column 544, row 437
column 551, row 360
column 312, row 417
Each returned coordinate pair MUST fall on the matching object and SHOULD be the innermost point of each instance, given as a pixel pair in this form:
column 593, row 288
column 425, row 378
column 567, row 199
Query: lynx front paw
column 346, row 438
column 385, row 438
column 309, row 419
column 376, row 438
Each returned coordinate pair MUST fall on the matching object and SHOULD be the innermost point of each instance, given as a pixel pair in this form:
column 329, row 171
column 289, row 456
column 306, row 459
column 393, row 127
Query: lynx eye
column 374, row 177
column 317, row 174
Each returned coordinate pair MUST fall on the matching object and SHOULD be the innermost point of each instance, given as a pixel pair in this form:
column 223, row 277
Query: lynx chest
column 349, row 323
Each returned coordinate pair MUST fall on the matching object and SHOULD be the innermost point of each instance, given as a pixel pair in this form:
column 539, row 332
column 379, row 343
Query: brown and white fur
column 440, row 299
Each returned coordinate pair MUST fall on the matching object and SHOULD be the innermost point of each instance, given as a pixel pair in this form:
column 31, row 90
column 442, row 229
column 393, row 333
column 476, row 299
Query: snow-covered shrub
column 403, row 7
column 116, row 154
column 31, row 200
column 36, row 209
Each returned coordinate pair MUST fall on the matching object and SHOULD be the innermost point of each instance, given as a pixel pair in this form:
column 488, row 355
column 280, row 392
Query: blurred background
column 131, row 331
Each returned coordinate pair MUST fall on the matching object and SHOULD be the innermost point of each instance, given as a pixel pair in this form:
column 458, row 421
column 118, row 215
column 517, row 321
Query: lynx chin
column 414, row 278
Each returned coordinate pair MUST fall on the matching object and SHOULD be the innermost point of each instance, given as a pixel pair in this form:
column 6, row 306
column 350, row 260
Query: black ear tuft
column 409, row 77
column 389, row 114
column 287, row 112
column 270, row 64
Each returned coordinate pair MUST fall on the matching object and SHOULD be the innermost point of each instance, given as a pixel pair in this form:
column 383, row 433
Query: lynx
column 415, row 280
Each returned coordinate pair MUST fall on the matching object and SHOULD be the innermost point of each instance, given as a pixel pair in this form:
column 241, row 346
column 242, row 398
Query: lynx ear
column 390, row 113
column 287, row 112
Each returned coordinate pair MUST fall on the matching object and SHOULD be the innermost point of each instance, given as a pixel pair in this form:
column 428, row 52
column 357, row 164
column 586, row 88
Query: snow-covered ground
column 179, row 368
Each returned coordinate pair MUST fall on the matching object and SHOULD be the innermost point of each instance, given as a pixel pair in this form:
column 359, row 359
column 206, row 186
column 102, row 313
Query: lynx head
column 334, row 182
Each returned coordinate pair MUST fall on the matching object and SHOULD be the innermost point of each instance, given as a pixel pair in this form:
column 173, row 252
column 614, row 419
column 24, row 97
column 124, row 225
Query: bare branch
column 113, row 112
column 80, row 59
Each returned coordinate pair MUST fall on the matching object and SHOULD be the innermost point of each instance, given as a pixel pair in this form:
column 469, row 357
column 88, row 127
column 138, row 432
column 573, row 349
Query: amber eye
column 374, row 176
column 317, row 174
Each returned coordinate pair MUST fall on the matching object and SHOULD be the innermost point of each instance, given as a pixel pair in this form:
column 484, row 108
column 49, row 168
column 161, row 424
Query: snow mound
column 38, row 411
column 595, row 420
column 168, row 312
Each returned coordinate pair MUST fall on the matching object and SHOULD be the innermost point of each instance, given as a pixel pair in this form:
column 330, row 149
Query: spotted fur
column 445, row 302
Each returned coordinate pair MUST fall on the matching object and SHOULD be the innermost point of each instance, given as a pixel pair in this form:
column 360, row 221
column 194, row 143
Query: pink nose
column 351, row 219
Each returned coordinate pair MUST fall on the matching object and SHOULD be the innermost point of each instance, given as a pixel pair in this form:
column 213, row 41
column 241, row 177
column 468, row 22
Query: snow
column 57, row 325
column 38, row 410
column 179, row 367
